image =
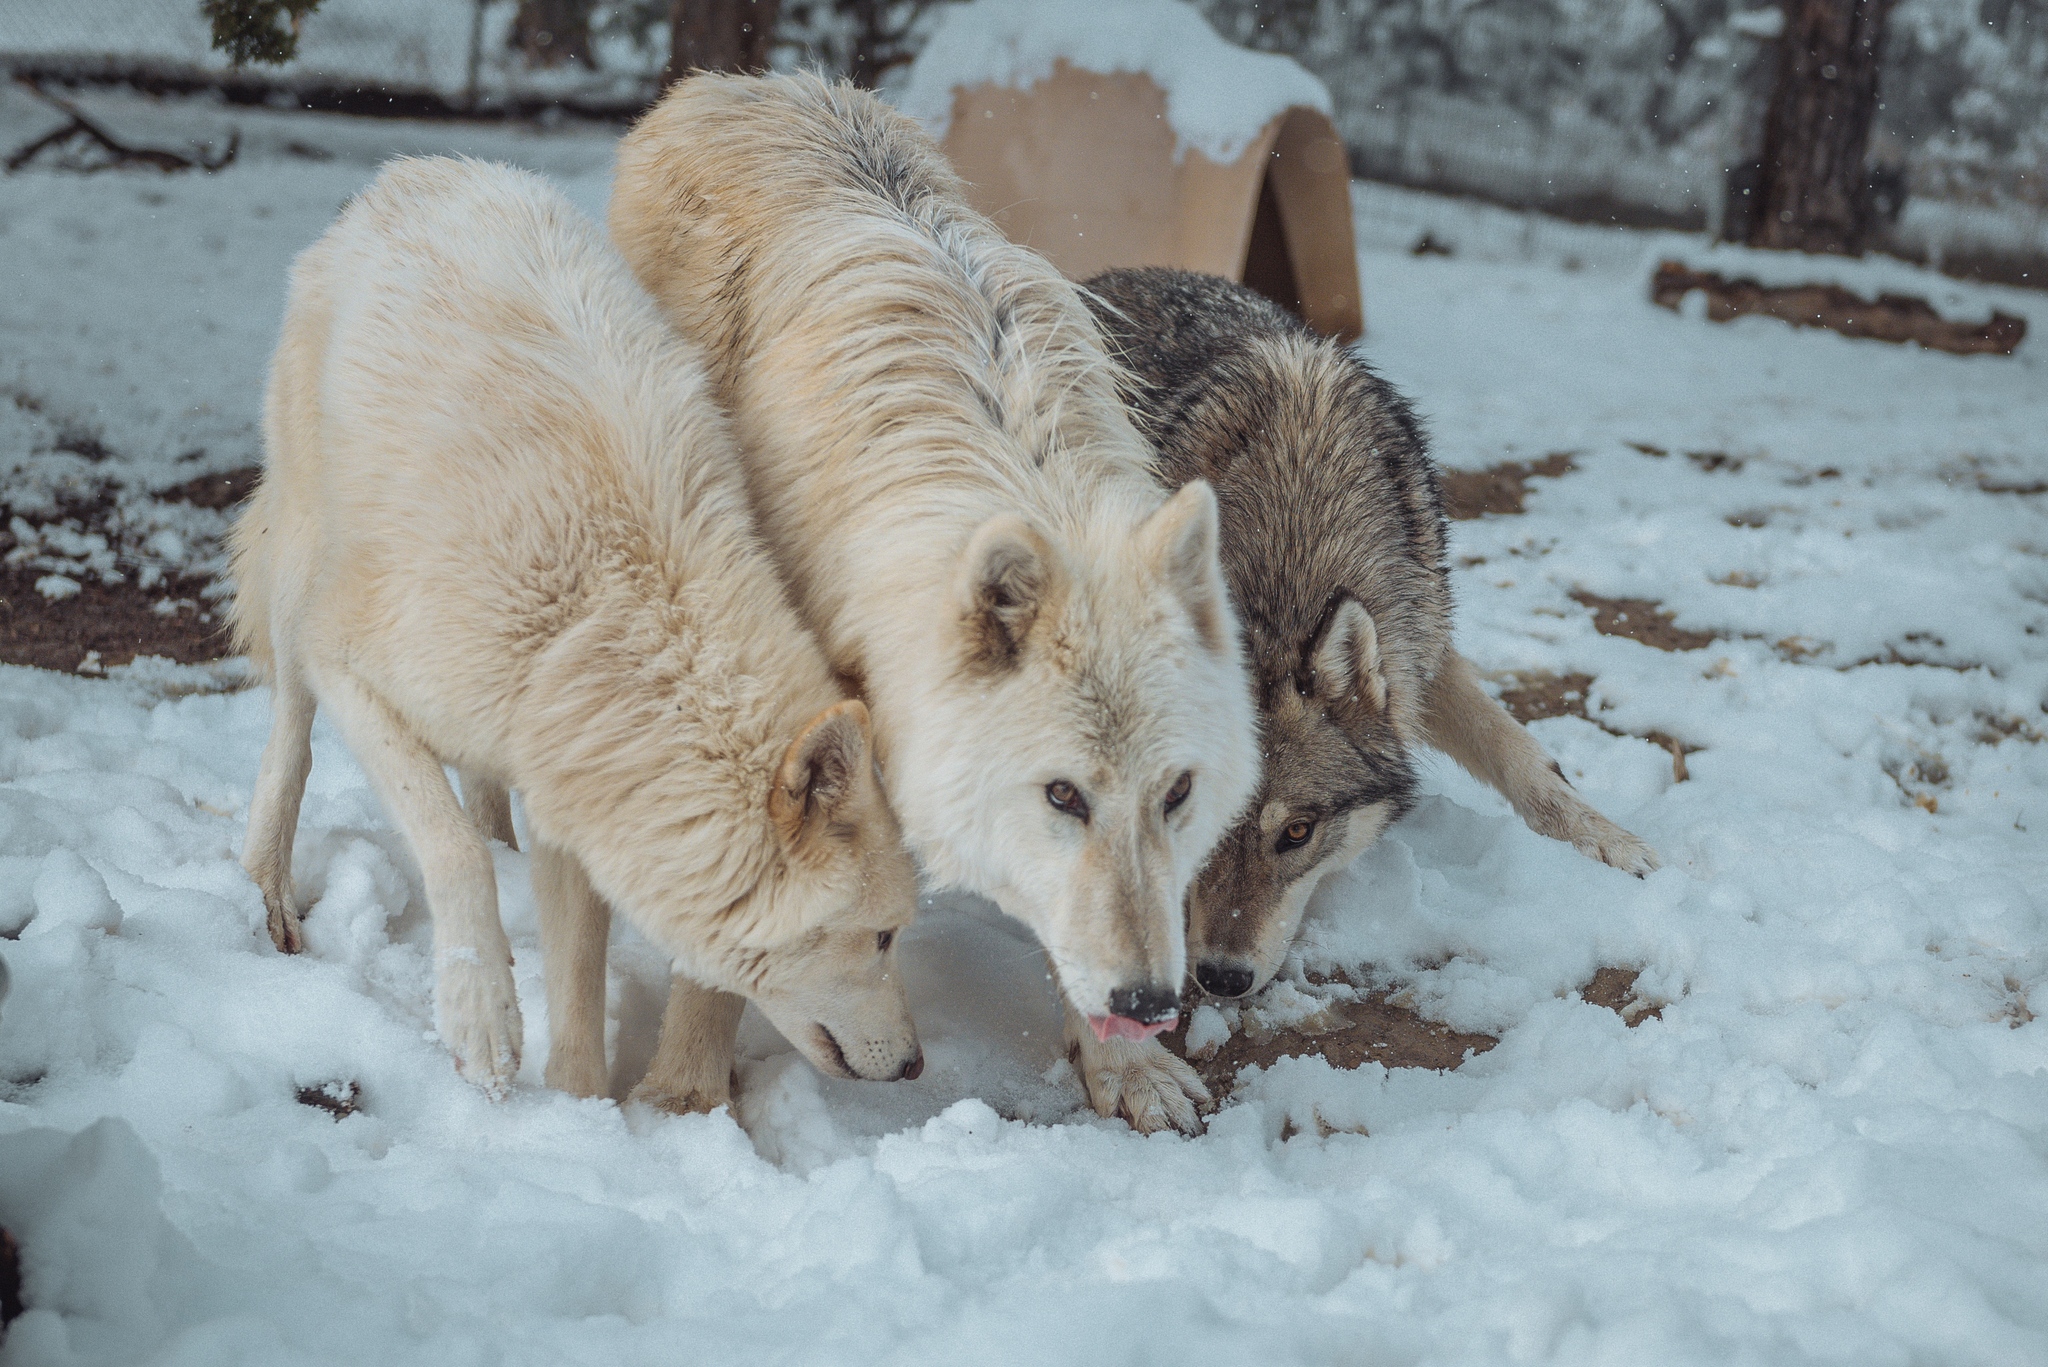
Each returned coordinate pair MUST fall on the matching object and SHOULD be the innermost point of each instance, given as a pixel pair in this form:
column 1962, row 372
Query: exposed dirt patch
column 1374, row 1029
column 10, row 1279
column 1998, row 486
column 1994, row 730
column 1710, row 461
column 1641, row 619
column 1500, row 490
column 219, row 492
column 1676, row 748
column 1615, row 989
column 2017, row 1012
column 339, row 1099
column 1532, row 697
column 1887, row 318
column 102, row 625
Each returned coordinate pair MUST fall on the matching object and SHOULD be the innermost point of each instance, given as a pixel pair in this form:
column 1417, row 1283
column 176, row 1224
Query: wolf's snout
column 1224, row 979
column 871, row 1060
column 1145, row 1003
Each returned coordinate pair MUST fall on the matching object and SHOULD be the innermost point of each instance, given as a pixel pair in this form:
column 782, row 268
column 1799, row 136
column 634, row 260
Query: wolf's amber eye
column 1296, row 835
column 1067, row 798
column 883, row 939
column 1178, row 793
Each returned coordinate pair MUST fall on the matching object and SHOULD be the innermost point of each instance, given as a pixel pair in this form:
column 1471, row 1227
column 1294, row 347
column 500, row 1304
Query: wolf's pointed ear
column 1343, row 657
column 1182, row 543
column 1007, row 578
column 819, row 773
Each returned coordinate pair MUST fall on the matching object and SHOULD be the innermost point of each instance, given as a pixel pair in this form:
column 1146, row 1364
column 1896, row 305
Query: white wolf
column 942, row 466
column 502, row 526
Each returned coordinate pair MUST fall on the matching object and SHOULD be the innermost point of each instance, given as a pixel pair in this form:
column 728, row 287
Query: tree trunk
column 720, row 35
column 553, row 32
column 1813, row 194
column 879, row 46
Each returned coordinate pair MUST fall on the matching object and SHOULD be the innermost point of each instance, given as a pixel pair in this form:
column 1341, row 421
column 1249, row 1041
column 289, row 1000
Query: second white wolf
column 501, row 526
column 940, row 460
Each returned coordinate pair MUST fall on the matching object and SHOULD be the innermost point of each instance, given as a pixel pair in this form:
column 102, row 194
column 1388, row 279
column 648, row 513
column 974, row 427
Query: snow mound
column 1218, row 96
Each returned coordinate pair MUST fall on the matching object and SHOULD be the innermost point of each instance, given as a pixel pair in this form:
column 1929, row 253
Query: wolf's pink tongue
column 1123, row 1027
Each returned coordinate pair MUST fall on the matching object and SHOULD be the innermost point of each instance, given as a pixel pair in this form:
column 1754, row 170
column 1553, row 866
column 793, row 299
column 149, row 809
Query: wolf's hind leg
column 1139, row 1080
column 575, row 925
column 692, row 1068
column 274, row 806
column 475, row 1004
column 1473, row 729
column 489, row 804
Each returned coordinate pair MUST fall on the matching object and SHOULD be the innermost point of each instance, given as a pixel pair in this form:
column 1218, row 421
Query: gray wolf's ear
column 1343, row 657
column 819, row 773
column 1181, row 543
column 1007, row 578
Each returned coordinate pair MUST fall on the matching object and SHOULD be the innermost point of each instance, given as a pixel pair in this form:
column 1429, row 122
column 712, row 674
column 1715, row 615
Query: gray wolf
column 946, row 475
column 1333, row 545
column 501, row 526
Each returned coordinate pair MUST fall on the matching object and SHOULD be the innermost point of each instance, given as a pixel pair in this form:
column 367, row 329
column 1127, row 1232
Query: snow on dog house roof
column 1127, row 133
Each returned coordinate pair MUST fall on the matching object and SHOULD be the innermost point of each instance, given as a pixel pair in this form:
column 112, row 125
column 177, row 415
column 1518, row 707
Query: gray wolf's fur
column 1333, row 545
column 945, row 471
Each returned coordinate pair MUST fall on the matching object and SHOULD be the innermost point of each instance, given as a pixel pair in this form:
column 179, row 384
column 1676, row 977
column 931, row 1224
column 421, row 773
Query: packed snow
column 1830, row 1145
column 1218, row 96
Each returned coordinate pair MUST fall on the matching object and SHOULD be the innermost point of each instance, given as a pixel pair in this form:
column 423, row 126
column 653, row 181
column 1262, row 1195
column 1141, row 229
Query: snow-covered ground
column 1831, row 1146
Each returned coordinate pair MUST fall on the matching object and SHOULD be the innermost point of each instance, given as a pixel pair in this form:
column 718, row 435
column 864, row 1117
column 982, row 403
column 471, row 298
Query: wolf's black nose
column 1144, row 1003
column 1225, row 980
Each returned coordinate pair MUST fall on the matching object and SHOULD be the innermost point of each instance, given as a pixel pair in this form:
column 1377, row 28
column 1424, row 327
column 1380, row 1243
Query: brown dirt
column 1499, row 491
column 1373, row 1030
column 1888, row 318
column 339, row 1099
column 1380, row 1029
column 1615, row 989
column 1640, row 619
column 118, row 621
column 1532, row 697
column 10, row 1279
column 219, row 492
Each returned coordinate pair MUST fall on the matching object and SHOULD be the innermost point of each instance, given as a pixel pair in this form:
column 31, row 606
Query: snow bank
column 1218, row 96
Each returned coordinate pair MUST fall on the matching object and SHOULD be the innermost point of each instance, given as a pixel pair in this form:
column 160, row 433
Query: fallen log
column 73, row 139
column 1888, row 318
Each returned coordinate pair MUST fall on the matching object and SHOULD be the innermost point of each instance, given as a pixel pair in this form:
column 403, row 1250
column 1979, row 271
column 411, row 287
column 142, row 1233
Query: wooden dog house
column 1085, row 167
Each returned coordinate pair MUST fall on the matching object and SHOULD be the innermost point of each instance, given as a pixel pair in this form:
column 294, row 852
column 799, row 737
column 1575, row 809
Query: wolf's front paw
column 280, row 909
column 1140, row 1081
column 1601, row 839
column 479, row 1019
column 282, row 920
column 696, row 1100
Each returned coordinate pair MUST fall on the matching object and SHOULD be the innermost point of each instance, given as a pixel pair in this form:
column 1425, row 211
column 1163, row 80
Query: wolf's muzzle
column 1223, row 979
